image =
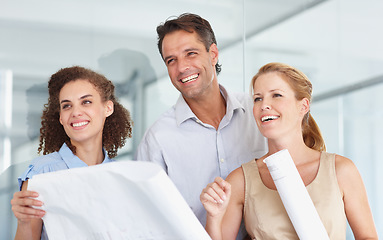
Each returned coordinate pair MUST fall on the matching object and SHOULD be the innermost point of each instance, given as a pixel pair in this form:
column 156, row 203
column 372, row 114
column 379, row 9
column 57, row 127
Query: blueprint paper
column 119, row 200
column 295, row 197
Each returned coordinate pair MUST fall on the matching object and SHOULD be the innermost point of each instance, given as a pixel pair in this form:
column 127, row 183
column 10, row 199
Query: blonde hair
column 302, row 88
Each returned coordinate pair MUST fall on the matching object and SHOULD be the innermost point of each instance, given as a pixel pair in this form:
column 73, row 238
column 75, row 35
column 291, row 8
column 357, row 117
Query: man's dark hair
column 190, row 23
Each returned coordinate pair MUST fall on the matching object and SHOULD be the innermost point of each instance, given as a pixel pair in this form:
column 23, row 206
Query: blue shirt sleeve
column 25, row 176
column 43, row 164
column 149, row 150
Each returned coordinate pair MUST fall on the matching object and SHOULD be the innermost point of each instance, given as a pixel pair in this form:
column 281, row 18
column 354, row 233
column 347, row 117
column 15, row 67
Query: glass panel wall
column 337, row 43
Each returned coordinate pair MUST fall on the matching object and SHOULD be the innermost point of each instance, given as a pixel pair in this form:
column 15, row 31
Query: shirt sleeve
column 150, row 150
column 34, row 170
column 42, row 164
column 26, row 175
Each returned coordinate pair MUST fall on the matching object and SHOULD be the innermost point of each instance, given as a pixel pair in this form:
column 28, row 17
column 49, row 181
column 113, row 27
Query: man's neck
column 209, row 110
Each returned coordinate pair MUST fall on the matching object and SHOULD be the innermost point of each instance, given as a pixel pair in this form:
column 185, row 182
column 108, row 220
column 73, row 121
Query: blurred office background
column 337, row 43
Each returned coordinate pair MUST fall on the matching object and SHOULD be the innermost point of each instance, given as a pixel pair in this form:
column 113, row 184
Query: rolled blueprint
column 295, row 197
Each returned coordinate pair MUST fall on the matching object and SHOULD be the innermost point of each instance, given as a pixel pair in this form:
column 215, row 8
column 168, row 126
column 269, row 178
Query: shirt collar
column 183, row 111
column 73, row 161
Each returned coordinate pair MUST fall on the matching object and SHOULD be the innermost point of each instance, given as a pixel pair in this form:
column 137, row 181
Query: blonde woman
column 282, row 97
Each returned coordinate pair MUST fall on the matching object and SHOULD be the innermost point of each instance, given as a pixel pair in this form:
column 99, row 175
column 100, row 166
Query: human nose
column 183, row 65
column 265, row 105
column 76, row 110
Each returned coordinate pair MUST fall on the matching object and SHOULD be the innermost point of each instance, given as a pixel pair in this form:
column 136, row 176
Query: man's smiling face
column 191, row 68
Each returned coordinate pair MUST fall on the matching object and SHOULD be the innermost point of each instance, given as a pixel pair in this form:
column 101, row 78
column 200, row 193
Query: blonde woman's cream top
column 266, row 218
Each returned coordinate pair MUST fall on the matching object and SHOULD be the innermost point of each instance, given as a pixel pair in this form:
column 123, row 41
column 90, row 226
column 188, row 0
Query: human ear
column 109, row 108
column 305, row 106
column 213, row 50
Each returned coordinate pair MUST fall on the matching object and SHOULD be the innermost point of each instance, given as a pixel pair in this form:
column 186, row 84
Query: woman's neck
column 298, row 150
column 90, row 153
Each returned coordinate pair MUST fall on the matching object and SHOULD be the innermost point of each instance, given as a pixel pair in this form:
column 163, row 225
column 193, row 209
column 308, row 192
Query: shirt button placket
column 221, row 156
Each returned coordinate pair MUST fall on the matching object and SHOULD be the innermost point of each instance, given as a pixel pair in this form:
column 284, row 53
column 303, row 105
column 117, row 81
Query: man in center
column 209, row 132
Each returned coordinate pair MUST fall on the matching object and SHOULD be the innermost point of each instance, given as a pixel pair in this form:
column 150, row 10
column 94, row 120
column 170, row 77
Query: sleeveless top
column 266, row 218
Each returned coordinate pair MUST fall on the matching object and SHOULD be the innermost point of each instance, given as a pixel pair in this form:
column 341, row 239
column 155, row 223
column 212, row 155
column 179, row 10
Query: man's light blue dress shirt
column 193, row 153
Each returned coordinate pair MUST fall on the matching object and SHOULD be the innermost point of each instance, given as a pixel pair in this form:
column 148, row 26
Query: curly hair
column 117, row 127
column 190, row 23
column 302, row 88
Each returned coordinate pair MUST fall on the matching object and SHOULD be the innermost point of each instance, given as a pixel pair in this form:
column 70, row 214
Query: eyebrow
column 166, row 59
column 85, row 96
column 273, row 90
column 186, row 50
column 277, row 89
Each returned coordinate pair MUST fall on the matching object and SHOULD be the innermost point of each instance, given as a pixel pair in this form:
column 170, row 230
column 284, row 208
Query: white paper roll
column 115, row 201
column 295, row 197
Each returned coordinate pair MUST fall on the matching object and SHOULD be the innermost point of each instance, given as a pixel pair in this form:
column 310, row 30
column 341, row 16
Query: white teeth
column 192, row 77
column 268, row 118
column 79, row 124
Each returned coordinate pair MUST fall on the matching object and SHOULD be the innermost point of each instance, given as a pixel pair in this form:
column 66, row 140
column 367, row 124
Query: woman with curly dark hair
column 83, row 124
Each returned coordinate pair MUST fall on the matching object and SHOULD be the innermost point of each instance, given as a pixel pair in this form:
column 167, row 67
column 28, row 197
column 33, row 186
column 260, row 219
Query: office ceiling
column 40, row 35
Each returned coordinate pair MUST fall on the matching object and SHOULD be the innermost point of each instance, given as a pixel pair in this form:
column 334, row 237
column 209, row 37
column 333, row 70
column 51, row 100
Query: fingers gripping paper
column 295, row 197
column 119, row 200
